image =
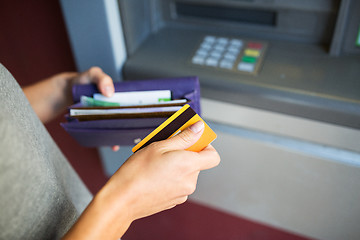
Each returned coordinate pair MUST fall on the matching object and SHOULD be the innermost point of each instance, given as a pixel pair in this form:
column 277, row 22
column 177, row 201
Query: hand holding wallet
column 129, row 130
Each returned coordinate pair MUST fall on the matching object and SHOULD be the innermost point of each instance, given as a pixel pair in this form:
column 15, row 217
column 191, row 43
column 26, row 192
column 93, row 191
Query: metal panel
column 95, row 33
column 301, row 187
column 283, row 125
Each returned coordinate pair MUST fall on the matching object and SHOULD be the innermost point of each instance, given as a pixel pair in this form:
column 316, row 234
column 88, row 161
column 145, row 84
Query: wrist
column 115, row 205
column 63, row 82
column 112, row 201
column 104, row 218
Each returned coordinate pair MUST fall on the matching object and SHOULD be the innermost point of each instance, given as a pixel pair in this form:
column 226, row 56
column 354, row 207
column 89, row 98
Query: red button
column 254, row 45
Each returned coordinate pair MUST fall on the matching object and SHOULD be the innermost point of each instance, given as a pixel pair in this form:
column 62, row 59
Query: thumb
column 186, row 138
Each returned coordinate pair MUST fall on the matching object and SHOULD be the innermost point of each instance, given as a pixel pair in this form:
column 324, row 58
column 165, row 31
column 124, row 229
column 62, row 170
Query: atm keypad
column 230, row 54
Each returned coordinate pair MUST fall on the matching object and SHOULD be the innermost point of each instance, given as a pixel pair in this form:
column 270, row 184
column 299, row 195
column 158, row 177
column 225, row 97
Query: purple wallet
column 109, row 132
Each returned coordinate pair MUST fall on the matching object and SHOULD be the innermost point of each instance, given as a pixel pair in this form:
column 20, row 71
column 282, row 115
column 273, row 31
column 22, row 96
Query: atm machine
column 280, row 85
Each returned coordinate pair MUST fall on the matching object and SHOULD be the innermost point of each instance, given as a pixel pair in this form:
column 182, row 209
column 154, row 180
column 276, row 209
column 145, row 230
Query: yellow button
column 252, row 52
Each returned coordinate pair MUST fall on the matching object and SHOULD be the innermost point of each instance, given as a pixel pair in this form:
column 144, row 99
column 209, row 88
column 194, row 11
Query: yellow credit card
column 180, row 120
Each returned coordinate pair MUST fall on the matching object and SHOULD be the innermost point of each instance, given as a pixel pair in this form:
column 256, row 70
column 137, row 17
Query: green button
column 248, row 59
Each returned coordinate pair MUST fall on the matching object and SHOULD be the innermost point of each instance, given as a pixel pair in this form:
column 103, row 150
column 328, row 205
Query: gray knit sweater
column 40, row 194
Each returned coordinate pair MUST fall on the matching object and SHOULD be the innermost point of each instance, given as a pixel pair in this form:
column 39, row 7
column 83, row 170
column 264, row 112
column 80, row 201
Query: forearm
column 106, row 217
column 51, row 96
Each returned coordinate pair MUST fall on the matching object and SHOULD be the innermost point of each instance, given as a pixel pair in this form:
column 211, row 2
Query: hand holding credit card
column 180, row 120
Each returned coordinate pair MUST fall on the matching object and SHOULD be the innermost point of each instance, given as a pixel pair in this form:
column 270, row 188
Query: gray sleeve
column 41, row 195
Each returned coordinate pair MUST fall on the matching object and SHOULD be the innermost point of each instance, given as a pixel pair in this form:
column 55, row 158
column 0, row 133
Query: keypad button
column 230, row 56
column 226, row 64
column 223, row 41
column 206, row 46
column 254, row 45
column 219, row 47
column 249, row 59
column 216, row 54
column 236, row 42
column 246, row 67
column 210, row 39
column 252, row 52
column 202, row 52
column 234, row 50
column 198, row 60
column 212, row 61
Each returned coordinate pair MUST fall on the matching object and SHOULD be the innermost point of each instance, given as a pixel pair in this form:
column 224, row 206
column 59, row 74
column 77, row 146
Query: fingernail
column 197, row 127
column 115, row 148
column 108, row 91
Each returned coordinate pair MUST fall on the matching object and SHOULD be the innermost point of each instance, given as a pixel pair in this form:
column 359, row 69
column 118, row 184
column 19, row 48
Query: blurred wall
column 33, row 40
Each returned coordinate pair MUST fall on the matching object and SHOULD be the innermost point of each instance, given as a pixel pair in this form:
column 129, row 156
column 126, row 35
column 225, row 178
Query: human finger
column 185, row 139
column 208, row 158
column 115, row 148
column 101, row 79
